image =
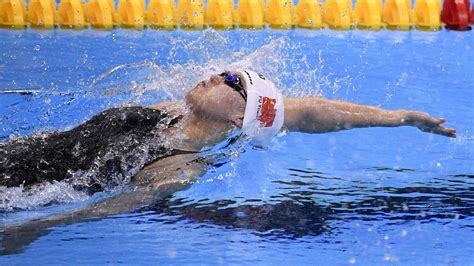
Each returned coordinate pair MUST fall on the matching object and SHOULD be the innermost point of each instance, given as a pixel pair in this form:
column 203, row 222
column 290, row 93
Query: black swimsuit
column 105, row 151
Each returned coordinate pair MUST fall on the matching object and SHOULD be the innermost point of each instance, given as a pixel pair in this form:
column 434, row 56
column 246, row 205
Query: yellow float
column 100, row 14
column 219, row 14
column 132, row 14
column 338, row 14
column 368, row 14
column 42, row 13
column 279, row 14
column 249, row 14
column 71, row 14
column 190, row 14
column 309, row 15
column 427, row 14
column 160, row 14
column 13, row 14
column 397, row 14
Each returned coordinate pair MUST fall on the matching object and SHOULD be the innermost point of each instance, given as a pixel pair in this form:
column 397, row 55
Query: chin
column 191, row 96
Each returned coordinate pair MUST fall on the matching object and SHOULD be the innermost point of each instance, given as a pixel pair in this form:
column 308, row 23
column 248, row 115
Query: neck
column 196, row 131
column 203, row 131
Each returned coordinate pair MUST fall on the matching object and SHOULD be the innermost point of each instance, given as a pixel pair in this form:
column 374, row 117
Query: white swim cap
column 264, row 114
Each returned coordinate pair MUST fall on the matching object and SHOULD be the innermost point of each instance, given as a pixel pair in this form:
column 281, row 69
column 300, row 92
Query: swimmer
column 156, row 149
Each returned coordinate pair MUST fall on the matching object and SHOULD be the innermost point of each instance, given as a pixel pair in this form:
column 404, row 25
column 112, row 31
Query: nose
column 215, row 79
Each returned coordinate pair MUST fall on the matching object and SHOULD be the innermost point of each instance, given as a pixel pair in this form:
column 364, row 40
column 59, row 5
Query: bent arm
column 318, row 115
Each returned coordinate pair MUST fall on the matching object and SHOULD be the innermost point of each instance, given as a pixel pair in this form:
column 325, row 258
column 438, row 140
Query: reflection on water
column 302, row 208
column 281, row 219
column 306, row 208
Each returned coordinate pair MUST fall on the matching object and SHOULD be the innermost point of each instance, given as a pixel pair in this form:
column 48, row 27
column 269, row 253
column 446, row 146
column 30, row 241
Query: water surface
column 366, row 196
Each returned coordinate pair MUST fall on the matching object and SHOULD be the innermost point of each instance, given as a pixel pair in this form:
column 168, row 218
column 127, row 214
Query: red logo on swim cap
column 268, row 112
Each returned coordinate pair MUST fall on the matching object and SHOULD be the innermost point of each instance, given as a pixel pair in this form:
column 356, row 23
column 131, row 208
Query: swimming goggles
column 234, row 81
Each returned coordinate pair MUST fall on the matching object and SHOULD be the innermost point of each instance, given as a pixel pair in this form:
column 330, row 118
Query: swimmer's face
column 214, row 99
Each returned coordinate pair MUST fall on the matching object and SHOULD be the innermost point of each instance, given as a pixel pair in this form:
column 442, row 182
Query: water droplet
column 404, row 233
column 391, row 258
column 37, row 47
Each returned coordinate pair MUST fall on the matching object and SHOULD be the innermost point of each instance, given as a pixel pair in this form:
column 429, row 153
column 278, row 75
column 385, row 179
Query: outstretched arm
column 318, row 115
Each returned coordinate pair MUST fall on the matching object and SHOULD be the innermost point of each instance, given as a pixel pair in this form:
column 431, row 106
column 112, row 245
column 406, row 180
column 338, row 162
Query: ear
column 237, row 120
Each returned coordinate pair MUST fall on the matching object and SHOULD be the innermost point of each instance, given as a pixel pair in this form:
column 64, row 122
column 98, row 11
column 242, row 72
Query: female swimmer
column 148, row 145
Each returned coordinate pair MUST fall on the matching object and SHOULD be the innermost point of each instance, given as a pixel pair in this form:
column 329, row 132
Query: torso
column 112, row 147
column 105, row 151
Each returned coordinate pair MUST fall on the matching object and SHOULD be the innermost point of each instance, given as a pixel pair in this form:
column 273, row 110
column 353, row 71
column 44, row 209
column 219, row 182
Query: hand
column 427, row 123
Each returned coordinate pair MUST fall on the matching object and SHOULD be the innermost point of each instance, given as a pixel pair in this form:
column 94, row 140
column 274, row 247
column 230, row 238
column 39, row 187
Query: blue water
column 366, row 197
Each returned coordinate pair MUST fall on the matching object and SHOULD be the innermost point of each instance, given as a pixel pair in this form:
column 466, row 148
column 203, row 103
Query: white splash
column 15, row 198
column 146, row 82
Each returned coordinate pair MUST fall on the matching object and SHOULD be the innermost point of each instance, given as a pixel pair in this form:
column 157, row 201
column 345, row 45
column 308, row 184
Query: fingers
column 440, row 130
column 427, row 123
column 431, row 121
column 449, row 132
column 420, row 119
column 445, row 131
column 439, row 121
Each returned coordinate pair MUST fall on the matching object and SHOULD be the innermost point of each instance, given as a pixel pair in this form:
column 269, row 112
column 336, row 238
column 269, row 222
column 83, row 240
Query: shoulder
column 162, row 105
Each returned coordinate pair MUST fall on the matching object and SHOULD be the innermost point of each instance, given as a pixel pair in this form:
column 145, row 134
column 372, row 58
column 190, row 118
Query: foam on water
column 18, row 198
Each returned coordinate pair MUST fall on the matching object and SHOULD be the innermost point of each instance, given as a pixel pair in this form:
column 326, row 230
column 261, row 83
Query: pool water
column 366, row 197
